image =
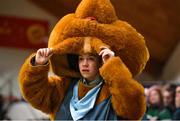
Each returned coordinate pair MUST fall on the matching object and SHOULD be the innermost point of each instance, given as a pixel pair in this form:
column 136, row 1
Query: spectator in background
column 155, row 101
column 155, row 109
column 176, row 115
column 146, row 90
column 168, row 93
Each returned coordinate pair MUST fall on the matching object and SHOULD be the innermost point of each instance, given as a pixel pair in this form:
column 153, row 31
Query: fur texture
column 127, row 94
column 123, row 38
column 102, row 10
column 74, row 34
column 39, row 89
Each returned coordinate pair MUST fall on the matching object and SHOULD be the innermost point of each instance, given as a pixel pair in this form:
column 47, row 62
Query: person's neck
column 92, row 79
column 93, row 82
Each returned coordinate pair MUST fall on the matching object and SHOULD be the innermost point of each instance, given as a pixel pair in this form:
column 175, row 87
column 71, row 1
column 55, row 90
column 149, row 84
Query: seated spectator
column 176, row 115
column 155, row 109
column 168, row 93
column 146, row 91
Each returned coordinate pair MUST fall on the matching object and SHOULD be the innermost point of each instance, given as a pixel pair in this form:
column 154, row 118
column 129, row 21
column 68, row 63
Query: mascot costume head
column 95, row 24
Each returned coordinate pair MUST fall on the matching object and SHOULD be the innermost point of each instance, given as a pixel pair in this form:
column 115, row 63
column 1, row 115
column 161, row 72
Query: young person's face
column 89, row 66
column 167, row 98
column 154, row 97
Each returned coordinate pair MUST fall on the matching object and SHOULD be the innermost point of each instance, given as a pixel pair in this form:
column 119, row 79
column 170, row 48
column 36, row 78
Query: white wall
column 11, row 58
column 10, row 63
column 170, row 73
column 172, row 68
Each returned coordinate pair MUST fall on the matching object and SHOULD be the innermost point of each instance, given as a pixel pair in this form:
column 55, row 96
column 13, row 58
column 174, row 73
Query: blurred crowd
column 12, row 108
column 163, row 102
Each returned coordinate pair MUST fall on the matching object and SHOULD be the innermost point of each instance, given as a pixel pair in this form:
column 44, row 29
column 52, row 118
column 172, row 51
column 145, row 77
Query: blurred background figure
column 25, row 112
column 155, row 103
column 155, row 110
column 168, row 92
column 146, row 91
column 176, row 115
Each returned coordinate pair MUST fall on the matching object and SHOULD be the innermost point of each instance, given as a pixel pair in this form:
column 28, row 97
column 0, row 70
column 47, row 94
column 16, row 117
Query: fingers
column 45, row 52
column 106, row 53
column 50, row 52
column 43, row 55
column 102, row 52
column 39, row 53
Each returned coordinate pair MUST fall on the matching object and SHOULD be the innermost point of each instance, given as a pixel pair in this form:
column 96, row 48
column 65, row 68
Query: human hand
column 43, row 55
column 106, row 53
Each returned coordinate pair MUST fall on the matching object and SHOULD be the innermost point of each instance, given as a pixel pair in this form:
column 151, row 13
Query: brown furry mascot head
column 95, row 24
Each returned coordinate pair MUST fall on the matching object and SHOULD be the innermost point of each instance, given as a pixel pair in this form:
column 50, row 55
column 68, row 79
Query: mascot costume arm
column 40, row 90
column 128, row 98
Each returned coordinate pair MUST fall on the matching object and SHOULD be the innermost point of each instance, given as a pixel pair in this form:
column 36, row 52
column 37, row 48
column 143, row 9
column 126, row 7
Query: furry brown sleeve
column 128, row 98
column 42, row 92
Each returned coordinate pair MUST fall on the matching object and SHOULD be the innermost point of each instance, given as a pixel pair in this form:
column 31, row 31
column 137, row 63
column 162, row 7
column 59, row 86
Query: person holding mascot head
column 89, row 65
column 93, row 57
